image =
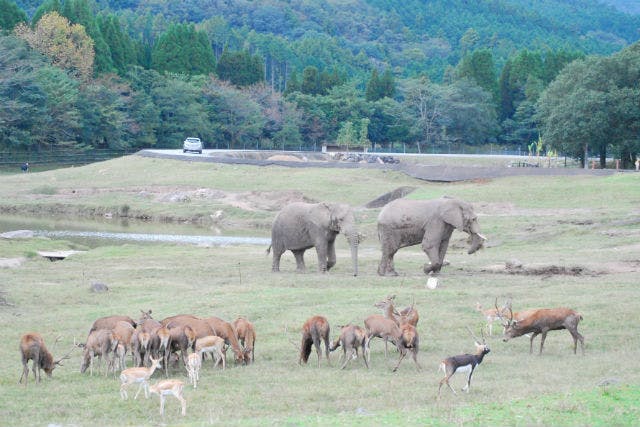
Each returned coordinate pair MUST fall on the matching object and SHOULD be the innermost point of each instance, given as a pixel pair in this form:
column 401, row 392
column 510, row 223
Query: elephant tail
column 268, row 250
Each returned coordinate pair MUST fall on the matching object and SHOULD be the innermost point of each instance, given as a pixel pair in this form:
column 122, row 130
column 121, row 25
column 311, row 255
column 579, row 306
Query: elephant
column 300, row 226
column 405, row 222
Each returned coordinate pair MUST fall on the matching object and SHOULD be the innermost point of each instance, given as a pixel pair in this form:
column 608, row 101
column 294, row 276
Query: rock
column 433, row 282
column 99, row 287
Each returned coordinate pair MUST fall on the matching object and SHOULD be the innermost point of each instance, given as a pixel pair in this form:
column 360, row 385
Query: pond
column 94, row 233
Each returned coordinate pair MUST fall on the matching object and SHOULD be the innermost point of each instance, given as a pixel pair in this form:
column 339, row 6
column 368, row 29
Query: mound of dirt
column 389, row 197
column 541, row 270
column 285, row 158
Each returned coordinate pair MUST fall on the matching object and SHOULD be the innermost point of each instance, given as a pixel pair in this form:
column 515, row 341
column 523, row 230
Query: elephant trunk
column 353, row 238
column 476, row 242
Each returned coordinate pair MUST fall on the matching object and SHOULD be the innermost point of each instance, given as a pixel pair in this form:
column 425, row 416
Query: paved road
column 436, row 173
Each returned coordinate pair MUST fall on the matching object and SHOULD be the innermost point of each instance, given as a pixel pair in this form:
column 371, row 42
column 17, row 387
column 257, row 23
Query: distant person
column 637, row 164
column 25, row 167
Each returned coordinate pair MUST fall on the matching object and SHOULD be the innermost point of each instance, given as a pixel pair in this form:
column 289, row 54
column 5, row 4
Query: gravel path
column 436, row 173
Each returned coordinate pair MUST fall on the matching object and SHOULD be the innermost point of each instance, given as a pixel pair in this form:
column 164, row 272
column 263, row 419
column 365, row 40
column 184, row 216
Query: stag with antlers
column 32, row 347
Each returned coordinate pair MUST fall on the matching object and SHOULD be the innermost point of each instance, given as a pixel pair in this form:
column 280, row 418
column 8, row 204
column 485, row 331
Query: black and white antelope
column 463, row 363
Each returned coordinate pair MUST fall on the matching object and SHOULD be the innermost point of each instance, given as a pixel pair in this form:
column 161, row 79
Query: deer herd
column 188, row 339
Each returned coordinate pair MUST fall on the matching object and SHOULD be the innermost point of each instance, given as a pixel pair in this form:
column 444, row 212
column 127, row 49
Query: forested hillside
column 416, row 74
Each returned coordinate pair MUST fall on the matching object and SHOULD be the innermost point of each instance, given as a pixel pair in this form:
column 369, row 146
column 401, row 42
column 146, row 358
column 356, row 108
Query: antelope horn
column 473, row 335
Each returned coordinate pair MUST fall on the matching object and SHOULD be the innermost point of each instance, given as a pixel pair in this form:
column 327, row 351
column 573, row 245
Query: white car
column 193, row 145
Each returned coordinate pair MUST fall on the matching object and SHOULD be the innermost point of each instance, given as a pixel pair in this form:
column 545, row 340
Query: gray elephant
column 301, row 226
column 406, row 222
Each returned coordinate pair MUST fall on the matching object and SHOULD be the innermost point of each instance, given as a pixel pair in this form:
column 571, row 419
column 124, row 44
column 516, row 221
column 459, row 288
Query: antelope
column 211, row 344
column 169, row 387
column 99, row 344
column 194, row 363
column 32, row 347
column 492, row 314
column 541, row 321
column 352, row 338
column 139, row 375
column 247, row 336
column 314, row 330
column 463, row 363
column 224, row 330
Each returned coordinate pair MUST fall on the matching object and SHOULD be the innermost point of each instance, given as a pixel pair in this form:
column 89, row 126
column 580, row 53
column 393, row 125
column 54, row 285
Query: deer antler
column 66, row 356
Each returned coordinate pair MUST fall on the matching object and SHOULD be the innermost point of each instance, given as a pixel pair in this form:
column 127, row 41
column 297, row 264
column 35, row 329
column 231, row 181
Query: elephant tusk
column 482, row 237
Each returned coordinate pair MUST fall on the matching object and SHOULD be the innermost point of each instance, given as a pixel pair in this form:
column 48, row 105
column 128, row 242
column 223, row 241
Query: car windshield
column 193, row 139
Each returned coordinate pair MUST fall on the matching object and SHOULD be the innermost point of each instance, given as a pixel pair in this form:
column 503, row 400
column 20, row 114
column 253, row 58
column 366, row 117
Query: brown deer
column 169, row 388
column 182, row 338
column 138, row 375
column 247, row 336
column 99, row 344
column 123, row 332
column 225, row 330
column 408, row 315
column 408, row 341
column 463, row 363
column 352, row 338
column 140, row 342
column 314, row 330
column 380, row 326
column 109, row 322
column 160, row 346
column 541, row 321
column 198, row 328
column 32, row 347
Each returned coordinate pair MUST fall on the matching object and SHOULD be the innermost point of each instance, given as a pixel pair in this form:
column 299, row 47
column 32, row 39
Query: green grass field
column 588, row 224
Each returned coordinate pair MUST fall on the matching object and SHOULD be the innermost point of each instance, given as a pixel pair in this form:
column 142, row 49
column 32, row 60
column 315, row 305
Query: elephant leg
column 386, row 267
column 299, row 254
column 444, row 244
column 277, row 254
column 331, row 255
column 321, row 250
column 434, row 256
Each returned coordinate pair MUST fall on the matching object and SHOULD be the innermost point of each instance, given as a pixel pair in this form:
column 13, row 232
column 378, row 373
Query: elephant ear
column 336, row 215
column 452, row 215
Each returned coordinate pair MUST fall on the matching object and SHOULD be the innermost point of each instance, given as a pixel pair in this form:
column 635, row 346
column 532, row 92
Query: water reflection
column 103, row 232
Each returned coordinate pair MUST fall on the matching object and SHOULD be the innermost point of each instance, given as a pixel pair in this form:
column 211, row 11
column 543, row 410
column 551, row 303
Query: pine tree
column 182, row 49
column 11, row 15
column 373, row 91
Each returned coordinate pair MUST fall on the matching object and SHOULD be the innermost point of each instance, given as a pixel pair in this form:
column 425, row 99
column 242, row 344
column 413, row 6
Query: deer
column 408, row 341
column 408, row 315
column 32, row 348
column 540, row 322
column 380, row 326
column 352, row 337
column 109, row 322
column 182, row 338
column 123, row 332
column 140, row 342
column 99, row 344
column 247, row 336
column 463, row 363
column 160, row 346
column 166, row 388
column 194, row 363
column 139, row 375
column 211, row 344
column 225, row 330
column 492, row 315
column 314, row 330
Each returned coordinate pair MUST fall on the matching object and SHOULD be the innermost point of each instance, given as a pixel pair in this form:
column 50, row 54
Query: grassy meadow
column 590, row 226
